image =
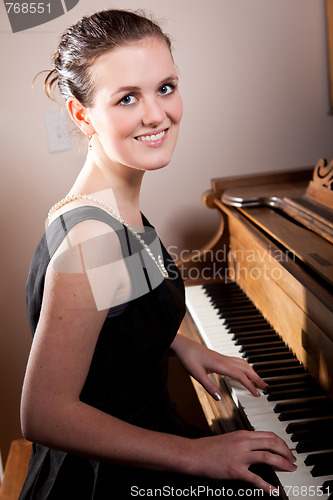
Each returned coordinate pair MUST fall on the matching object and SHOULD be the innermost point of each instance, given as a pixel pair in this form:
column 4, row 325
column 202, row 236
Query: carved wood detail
column 320, row 188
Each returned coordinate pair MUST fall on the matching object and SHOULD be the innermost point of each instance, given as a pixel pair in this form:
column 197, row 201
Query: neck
column 114, row 183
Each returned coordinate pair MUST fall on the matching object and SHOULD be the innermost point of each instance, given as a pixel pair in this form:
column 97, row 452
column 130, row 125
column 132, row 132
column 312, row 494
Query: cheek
column 124, row 124
column 116, row 125
column 177, row 112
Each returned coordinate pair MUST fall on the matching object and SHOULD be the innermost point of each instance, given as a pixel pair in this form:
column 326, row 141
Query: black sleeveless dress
column 127, row 377
column 128, row 373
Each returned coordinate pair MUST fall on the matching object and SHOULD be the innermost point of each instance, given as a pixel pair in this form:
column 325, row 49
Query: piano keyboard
column 293, row 405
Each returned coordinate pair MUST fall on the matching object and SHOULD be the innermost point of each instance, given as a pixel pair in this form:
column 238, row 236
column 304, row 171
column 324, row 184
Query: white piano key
column 302, row 478
column 259, row 411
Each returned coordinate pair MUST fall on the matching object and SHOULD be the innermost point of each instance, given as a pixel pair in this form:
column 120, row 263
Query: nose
column 153, row 112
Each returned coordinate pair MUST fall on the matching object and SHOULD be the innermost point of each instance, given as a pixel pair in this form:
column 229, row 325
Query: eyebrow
column 133, row 88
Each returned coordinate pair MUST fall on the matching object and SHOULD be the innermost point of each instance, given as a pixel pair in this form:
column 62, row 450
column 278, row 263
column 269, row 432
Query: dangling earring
column 89, row 145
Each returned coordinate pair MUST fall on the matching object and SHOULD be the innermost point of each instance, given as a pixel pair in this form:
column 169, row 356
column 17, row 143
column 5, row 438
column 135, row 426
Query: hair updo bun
column 81, row 44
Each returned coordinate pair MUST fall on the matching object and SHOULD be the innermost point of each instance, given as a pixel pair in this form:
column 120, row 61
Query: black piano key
column 275, row 356
column 238, row 312
column 318, row 458
column 285, row 386
column 248, row 335
column 322, row 462
column 287, row 370
column 226, row 290
column 305, row 434
column 240, row 306
column 243, row 322
column 271, row 358
column 253, row 352
column 315, row 444
column 236, row 302
column 321, row 470
column 311, row 412
column 222, row 288
column 257, row 356
column 234, row 299
column 229, row 298
column 277, row 363
column 248, row 327
column 269, row 350
column 328, row 487
column 247, row 323
column 251, row 326
column 298, row 384
column 235, row 305
column 246, row 340
column 240, row 317
column 253, row 330
column 292, row 394
column 311, row 425
column 262, row 345
column 304, row 403
column 281, row 379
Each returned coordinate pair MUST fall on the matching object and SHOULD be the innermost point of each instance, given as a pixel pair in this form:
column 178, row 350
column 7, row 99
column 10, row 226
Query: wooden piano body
column 275, row 240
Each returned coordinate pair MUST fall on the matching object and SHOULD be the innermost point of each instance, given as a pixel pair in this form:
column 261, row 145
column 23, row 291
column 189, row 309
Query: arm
column 64, row 342
column 200, row 361
column 53, row 415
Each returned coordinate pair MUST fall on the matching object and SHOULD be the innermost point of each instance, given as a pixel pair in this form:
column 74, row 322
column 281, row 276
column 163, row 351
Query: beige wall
column 254, row 81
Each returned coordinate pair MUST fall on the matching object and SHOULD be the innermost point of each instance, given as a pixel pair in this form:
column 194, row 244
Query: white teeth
column 153, row 137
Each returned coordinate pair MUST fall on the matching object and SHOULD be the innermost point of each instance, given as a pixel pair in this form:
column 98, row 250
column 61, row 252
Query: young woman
column 105, row 299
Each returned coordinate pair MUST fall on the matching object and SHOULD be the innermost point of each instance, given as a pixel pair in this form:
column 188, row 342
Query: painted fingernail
column 217, row 396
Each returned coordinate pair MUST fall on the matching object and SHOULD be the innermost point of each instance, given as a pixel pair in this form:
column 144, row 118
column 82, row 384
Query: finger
column 254, row 377
column 276, row 461
column 245, row 374
column 258, row 381
column 243, row 379
column 213, row 390
column 259, row 483
column 269, row 441
column 210, row 387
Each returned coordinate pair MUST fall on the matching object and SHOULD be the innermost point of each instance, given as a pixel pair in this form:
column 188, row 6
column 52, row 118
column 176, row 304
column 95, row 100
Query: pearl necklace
column 81, row 196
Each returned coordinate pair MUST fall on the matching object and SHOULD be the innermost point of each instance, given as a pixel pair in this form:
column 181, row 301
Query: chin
column 157, row 166
column 162, row 161
column 154, row 164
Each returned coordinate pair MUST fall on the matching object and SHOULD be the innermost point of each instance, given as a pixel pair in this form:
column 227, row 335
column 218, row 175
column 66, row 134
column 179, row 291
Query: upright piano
column 262, row 290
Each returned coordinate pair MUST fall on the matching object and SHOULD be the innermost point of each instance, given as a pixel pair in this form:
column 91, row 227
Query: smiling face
column 137, row 107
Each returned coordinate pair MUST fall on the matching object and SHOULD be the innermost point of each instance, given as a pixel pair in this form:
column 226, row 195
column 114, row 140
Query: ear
column 80, row 116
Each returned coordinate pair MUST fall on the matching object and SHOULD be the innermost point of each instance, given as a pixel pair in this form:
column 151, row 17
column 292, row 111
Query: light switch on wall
column 57, row 131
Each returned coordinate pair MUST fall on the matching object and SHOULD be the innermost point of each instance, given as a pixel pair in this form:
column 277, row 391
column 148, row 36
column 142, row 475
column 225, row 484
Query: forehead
column 134, row 64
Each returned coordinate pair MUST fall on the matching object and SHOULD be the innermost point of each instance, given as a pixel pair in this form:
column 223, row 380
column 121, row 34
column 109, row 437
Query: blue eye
column 127, row 100
column 166, row 89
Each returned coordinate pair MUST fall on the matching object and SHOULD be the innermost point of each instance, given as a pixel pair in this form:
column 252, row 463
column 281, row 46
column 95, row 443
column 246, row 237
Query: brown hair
column 81, row 44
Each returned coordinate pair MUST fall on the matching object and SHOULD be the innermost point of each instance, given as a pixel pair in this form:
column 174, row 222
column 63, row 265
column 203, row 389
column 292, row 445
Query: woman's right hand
column 229, row 456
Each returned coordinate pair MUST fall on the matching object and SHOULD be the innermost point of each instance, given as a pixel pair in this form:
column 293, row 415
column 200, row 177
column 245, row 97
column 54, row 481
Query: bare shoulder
column 89, row 264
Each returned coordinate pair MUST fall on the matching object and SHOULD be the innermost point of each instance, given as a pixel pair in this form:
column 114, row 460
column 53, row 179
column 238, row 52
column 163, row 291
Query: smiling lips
column 153, row 138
